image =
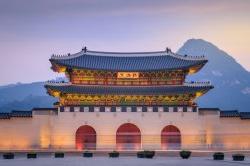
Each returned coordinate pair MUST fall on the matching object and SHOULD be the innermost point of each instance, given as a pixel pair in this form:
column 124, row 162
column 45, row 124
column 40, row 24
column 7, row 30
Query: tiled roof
column 127, row 90
column 227, row 114
column 5, row 115
column 209, row 109
column 140, row 61
column 245, row 115
column 235, row 113
column 21, row 114
column 17, row 114
column 44, row 109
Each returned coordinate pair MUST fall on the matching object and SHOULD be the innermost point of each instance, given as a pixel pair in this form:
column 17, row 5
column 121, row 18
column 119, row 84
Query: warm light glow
column 63, row 140
column 61, row 69
column 56, row 93
column 198, row 94
column 44, row 137
column 192, row 70
column 209, row 139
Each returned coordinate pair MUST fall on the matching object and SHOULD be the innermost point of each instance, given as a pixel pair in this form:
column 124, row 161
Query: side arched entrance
column 85, row 138
column 128, row 137
column 170, row 138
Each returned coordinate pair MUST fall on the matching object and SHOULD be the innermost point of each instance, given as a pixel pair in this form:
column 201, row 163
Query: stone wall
column 199, row 130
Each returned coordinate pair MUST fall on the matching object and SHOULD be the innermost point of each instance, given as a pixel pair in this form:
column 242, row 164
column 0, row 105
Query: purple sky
column 32, row 30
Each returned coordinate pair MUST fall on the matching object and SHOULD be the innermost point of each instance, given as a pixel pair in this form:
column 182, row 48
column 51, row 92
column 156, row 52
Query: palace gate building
column 126, row 101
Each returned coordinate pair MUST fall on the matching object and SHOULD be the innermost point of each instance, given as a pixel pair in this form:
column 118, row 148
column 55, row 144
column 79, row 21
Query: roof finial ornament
column 84, row 49
column 168, row 50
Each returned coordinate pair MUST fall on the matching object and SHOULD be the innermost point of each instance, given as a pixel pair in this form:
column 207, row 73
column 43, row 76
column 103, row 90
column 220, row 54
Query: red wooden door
column 85, row 138
column 170, row 138
column 128, row 137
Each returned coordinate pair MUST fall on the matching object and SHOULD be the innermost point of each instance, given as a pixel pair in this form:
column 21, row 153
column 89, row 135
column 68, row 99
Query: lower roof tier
column 126, row 90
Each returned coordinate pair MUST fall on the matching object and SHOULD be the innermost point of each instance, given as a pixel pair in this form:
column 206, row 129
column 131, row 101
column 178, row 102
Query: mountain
column 19, row 91
column 24, row 96
column 230, row 79
column 28, row 103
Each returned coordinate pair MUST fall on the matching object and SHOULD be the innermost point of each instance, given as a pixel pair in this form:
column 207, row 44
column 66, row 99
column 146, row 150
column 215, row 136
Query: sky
column 32, row 30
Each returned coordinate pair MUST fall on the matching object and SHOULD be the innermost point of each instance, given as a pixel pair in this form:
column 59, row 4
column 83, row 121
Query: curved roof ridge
column 102, row 53
column 67, row 56
column 187, row 57
column 128, row 54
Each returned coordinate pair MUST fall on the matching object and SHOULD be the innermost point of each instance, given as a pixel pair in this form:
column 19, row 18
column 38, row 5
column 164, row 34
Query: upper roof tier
column 127, row 61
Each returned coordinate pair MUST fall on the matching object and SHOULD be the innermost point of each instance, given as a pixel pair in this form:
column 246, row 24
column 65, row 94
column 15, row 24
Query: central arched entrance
column 170, row 138
column 128, row 137
column 85, row 138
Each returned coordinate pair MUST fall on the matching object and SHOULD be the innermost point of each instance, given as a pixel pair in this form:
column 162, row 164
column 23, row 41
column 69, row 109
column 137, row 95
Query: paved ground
column 122, row 161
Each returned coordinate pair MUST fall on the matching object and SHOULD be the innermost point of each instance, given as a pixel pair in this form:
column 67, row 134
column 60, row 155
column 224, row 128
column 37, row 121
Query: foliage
column 238, row 157
column 185, row 154
column 145, row 154
column 114, row 154
column 87, row 154
column 59, row 155
column 8, row 155
column 31, row 155
column 218, row 156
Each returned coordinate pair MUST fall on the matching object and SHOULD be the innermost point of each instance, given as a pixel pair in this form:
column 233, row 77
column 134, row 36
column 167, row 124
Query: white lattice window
column 96, row 109
column 139, row 109
column 189, row 109
column 86, row 109
column 150, row 109
column 160, row 109
column 118, row 109
column 129, row 109
column 107, row 109
column 66, row 109
column 76, row 109
column 180, row 109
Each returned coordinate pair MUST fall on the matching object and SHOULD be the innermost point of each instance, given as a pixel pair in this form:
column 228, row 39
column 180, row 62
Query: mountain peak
column 201, row 42
column 230, row 79
column 201, row 46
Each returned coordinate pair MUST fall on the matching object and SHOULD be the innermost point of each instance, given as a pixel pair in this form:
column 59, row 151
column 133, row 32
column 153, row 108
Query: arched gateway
column 85, row 138
column 170, row 138
column 128, row 137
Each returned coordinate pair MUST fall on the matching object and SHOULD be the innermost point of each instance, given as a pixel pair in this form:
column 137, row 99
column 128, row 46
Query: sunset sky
column 31, row 30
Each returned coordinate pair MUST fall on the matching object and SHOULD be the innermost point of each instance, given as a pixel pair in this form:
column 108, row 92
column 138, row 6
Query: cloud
column 47, row 8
